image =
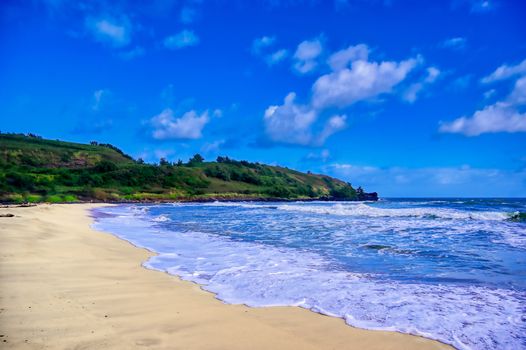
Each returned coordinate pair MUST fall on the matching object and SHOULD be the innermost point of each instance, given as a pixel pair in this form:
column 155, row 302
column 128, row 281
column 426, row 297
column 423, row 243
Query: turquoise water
column 452, row 270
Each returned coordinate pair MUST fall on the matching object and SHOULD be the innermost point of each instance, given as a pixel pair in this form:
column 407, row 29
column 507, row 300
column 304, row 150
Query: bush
column 54, row 199
column 105, row 166
column 33, row 198
column 20, row 181
column 70, row 198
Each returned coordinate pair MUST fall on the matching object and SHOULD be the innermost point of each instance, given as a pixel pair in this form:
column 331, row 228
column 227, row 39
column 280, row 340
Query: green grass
column 33, row 169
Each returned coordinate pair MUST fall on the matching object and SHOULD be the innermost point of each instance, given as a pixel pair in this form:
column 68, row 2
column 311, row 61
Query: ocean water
column 452, row 270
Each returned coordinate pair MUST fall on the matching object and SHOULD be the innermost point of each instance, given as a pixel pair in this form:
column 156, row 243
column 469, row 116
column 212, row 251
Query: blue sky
column 407, row 98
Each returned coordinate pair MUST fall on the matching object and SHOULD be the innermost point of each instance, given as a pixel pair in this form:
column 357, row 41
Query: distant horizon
column 404, row 98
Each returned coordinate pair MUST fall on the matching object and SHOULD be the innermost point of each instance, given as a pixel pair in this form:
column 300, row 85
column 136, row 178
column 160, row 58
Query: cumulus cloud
column 502, row 116
column 261, row 48
column 180, row 40
column 518, row 94
column 306, row 56
column 334, row 124
column 457, row 43
column 292, row 123
column 190, row 125
column 276, row 57
column 412, row 92
column 499, row 117
column 363, row 80
column 505, row 72
column 342, row 58
column 353, row 78
column 115, row 32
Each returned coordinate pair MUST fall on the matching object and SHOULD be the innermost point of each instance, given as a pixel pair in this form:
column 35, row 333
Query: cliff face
column 33, row 169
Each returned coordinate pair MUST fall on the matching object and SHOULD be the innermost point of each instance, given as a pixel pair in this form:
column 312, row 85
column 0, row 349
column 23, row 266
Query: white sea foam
column 233, row 204
column 367, row 210
column 161, row 218
column 468, row 317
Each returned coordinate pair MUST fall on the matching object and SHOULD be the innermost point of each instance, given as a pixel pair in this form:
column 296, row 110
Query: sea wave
column 161, row 218
column 259, row 275
column 367, row 210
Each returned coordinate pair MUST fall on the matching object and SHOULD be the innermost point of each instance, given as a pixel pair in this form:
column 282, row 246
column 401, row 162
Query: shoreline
column 195, row 200
column 67, row 285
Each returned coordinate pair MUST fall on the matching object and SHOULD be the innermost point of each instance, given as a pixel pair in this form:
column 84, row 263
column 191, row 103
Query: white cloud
column 261, row 47
column 489, row 94
column 212, row 146
column 342, row 58
column 353, row 79
column 324, row 155
column 334, row 124
column 189, row 126
column 518, row 94
column 457, row 43
column 432, row 74
column 481, row 6
column 505, row 72
column 502, row 116
column 182, row 39
column 499, row 117
column 290, row 122
column 363, row 80
column 260, row 43
column 111, row 31
column 276, row 57
column 98, row 97
column 306, row 55
column 411, row 94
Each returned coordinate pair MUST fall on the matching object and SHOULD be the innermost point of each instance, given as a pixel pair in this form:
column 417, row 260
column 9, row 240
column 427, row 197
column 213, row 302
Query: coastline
column 65, row 285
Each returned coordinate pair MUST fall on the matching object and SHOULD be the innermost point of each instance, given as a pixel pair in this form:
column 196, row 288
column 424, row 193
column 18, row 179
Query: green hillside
column 33, row 169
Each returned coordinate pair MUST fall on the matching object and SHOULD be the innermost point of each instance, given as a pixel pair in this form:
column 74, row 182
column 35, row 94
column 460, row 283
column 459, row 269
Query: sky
column 406, row 98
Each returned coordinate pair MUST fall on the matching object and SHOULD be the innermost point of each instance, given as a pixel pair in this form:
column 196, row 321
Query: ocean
column 453, row 270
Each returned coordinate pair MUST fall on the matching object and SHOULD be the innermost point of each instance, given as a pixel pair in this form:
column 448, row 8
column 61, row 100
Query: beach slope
column 66, row 286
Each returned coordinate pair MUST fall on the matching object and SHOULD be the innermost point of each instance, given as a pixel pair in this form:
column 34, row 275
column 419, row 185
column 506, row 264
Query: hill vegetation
column 33, row 169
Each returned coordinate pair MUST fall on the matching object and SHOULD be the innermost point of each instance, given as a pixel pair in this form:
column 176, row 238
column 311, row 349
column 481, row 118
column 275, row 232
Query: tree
column 163, row 162
column 221, row 159
column 140, row 161
column 196, row 159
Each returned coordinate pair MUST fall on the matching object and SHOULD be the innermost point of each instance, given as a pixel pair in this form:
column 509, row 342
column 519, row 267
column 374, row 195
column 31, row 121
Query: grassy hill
column 33, row 169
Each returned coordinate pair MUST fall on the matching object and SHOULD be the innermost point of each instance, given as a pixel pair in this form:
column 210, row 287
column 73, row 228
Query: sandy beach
column 66, row 286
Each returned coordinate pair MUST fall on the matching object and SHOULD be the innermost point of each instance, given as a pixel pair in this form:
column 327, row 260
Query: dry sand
column 66, row 286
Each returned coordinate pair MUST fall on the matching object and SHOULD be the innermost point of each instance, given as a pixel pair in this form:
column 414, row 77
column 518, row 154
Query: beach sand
column 66, row 286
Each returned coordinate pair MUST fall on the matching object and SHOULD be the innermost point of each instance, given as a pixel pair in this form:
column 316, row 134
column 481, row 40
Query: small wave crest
column 161, row 218
column 426, row 213
column 518, row 216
